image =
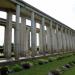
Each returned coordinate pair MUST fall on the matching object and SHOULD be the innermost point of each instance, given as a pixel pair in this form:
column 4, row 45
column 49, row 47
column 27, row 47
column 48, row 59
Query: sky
column 62, row 10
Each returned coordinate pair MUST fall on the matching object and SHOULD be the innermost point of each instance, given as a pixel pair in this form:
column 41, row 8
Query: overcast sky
column 62, row 10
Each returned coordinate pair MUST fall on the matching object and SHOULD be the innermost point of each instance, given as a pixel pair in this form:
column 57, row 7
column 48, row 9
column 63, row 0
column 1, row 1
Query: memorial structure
column 56, row 38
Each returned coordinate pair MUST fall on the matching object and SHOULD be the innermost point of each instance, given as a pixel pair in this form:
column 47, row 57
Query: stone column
column 48, row 39
column 51, row 38
column 67, row 40
column 40, row 40
column 17, row 33
column 33, row 34
column 62, row 39
column 28, row 50
column 73, row 40
column 8, row 36
column 70, row 40
column 23, row 36
column 45, row 40
column 28, row 39
column 58, row 37
column 54, row 40
column 42, row 37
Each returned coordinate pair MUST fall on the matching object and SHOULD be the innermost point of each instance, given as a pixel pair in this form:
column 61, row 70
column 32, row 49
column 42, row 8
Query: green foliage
column 50, row 59
column 55, row 72
column 17, row 68
column 4, row 70
column 42, row 61
column 60, row 57
column 27, row 65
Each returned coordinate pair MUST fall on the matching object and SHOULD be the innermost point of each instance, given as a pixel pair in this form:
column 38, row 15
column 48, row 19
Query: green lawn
column 70, row 72
column 45, row 68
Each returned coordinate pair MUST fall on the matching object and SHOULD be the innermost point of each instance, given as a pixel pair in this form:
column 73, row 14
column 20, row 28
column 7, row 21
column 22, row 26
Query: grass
column 44, row 69
column 70, row 72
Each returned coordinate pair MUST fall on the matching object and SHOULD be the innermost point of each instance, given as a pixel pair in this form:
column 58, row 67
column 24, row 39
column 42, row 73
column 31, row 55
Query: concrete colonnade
column 56, row 38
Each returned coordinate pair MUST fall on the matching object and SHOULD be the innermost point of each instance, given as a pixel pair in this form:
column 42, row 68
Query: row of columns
column 57, row 40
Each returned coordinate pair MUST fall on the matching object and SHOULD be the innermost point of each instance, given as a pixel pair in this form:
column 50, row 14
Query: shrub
column 40, row 61
column 71, row 64
column 60, row 57
column 17, row 68
column 55, row 72
column 73, row 54
column 67, row 66
column 4, row 70
column 11, row 71
column 51, row 59
column 63, row 68
column 45, row 61
column 27, row 65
